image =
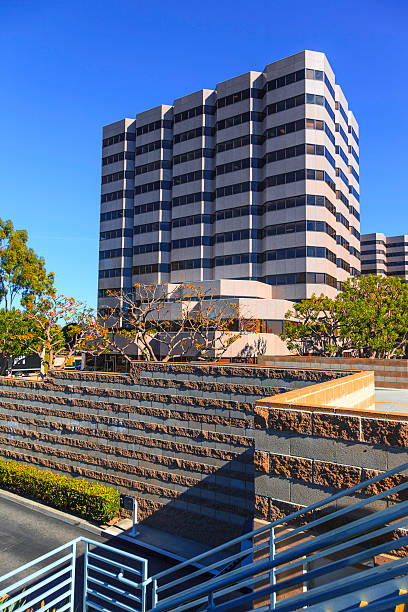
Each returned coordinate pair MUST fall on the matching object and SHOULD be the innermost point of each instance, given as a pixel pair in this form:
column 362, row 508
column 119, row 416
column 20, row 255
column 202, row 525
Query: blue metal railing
column 334, row 539
column 320, row 558
column 112, row 580
column 49, row 585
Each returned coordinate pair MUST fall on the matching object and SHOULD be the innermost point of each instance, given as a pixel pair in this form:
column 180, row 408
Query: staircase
column 340, row 554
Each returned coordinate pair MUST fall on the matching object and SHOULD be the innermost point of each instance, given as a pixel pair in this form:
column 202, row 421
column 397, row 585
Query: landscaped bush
column 86, row 499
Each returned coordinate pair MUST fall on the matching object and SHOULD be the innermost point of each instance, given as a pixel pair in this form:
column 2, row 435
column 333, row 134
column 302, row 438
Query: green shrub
column 86, row 499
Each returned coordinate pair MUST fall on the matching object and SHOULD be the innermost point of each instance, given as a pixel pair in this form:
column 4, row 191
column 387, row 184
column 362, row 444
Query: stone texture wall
column 305, row 454
column 179, row 437
column 388, row 372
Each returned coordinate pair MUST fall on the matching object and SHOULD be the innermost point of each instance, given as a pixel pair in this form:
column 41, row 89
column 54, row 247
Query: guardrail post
column 154, row 594
column 85, row 589
column 211, row 605
column 144, row 578
column 73, row 563
column 272, row 577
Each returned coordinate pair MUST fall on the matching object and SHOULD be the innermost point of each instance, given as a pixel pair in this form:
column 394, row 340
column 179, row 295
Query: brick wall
column 180, row 438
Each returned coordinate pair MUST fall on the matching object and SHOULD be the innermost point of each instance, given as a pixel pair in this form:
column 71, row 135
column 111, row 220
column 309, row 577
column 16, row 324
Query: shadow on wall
column 216, row 509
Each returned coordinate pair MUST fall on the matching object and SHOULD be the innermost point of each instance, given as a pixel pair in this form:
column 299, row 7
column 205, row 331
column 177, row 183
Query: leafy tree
column 15, row 337
column 22, row 272
column 369, row 318
column 374, row 312
column 314, row 327
column 59, row 325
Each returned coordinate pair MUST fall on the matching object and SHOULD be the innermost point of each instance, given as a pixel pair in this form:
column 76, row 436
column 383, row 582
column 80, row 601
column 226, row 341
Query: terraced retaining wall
column 388, row 372
column 180, row 438
column 305, row 453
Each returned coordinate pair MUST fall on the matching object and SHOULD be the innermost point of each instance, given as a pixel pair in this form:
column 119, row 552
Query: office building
column 255, row 180
column 384, row 256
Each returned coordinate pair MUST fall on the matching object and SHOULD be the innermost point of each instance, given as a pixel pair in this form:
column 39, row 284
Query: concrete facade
column 255, row 180
column 384, row 256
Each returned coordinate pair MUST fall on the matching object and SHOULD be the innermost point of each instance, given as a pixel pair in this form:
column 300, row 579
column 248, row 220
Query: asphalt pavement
column 26, row 534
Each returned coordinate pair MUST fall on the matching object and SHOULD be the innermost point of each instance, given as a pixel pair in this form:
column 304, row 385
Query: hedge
column 89, row 500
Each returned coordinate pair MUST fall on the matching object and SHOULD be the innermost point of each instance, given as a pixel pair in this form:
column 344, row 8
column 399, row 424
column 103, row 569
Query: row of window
column 342, row 133
column 189, row 177
column 116, row 176
column 273, row 181
column 112, row 253
column 397, row 263
column 236, row 143
column 239, row 119
column 342, row 242
column 146, row 228
column 297, row 278
column 192, row 220
column 204, row 109
column 149, row 207
column 353, row 133
column 129, row 136
column 239, row 96
column 256, row 258
column 354, row 192
column 300, row 278
column 342, row 111
column 154, row 186
column 116, row 233
column 299, row 175
column 190, row 198
column 341, row 219
column 114, row 272
column 192, row 155
column 352, row 150
column 354, row 173
column 343, row 264
column 245, row 211
column 194, row 133
column 364, row 242
column 155, row 125
column 342, row 154
column 153, row 146
column 116, row 214
column 156, row 165
column 374, row 251
column 117, row 157
column 142, row 249
column 116, row 195
column 280, row 130
column 151, row 269
column 340, row 174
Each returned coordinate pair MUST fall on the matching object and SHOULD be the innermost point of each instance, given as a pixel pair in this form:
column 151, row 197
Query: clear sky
column 70, row 67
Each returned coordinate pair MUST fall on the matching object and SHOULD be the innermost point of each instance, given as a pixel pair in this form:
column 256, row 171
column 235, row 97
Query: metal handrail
column 318, row 547
column 291, row 517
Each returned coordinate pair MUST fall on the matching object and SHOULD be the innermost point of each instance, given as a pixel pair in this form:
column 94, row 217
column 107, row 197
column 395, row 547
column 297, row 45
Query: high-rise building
column 384, row 256
column 256, row 180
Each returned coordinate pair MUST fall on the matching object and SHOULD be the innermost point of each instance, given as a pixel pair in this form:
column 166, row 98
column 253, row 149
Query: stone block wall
column 180, row 437
column 388, row 372
column 305, row 454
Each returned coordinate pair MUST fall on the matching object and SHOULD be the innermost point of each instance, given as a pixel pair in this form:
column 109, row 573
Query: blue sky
column 68, row 68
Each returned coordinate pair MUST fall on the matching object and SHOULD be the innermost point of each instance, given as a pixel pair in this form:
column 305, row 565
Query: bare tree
column 162, row 323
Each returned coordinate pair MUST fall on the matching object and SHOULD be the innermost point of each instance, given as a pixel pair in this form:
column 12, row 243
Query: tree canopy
column 22, row 272
column 368, row 318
